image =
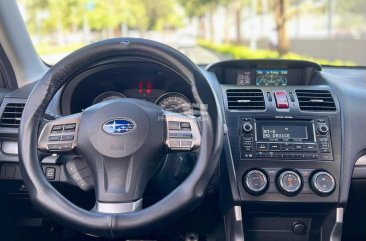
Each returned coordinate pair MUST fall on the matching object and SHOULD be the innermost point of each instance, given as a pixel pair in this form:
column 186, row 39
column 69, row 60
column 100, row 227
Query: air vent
column 245, row 99
column 315, row 100
column 12, row 115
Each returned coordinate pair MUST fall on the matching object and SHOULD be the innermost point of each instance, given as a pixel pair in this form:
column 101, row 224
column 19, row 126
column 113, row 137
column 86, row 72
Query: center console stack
column 284, row 140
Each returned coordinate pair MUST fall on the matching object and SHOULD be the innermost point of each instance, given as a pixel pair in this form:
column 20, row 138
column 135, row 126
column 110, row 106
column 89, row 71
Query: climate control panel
column 289, row 182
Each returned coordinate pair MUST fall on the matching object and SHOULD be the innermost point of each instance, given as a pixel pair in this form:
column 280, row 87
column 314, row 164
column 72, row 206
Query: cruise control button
column 174, row 144
column 67, row 137
column 54, row 147
column 66, row 146
column 186, row 143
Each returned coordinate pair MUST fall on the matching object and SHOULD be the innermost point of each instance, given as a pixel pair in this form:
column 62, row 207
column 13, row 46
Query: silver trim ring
column 282, row 185
column 316, row 175
column 262, row 175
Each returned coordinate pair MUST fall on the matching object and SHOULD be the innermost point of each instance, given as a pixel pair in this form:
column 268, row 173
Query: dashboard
column 145, row 81
column 292, row 135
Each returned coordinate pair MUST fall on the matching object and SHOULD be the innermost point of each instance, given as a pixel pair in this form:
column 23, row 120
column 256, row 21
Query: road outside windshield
column 330, row 32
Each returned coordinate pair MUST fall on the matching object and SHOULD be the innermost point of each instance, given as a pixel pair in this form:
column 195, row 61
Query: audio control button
column 322, row 129
column 247, row 127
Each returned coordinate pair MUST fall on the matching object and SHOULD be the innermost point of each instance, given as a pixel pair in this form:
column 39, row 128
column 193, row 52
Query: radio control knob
column 322, row 129
column 247, row 127
column 255, row 182
column 289, row 182
column 322, row 183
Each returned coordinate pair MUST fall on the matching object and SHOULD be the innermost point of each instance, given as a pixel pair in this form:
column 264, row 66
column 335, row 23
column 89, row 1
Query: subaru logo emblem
column 119, row 126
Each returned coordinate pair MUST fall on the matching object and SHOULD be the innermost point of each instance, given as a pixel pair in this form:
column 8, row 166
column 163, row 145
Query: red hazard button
column 281, row 99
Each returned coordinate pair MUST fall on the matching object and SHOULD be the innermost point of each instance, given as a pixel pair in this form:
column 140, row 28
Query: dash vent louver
column 12, row 115
column 245, row 99
column 316, row 100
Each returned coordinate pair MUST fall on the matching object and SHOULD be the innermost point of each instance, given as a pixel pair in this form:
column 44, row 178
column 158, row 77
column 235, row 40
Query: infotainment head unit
column 280, row 130
column 288, row 139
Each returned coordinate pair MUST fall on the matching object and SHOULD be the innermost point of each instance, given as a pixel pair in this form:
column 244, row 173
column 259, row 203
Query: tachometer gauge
column 109, row 95
column 175, row 102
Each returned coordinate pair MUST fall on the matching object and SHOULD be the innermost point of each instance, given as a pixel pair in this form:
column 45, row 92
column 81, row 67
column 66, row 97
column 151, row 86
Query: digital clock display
column 284, row 132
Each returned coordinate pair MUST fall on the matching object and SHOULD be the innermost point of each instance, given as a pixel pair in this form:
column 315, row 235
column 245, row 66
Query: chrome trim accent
column 361, row 161
column 118, row 207
column 336, row 233
column 10, row 147
column 238, row 215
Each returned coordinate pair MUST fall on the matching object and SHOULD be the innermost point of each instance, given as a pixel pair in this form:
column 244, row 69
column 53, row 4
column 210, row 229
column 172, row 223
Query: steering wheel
column 122, row 141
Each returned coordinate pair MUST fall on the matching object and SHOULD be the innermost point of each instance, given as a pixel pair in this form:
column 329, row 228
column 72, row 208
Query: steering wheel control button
column 50, row 173
column 323, row 183
column 289, row 182
column 54, row 138
column 281, row 100
column 183, row 133
column 54, row 147
column 255, row 182
column 67, row 137
column 57, row 128
column 70, row 127
column 174, row 125
column 185, row 126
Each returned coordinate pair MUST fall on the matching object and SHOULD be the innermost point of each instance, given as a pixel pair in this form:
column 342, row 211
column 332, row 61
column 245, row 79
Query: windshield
column 330, row 32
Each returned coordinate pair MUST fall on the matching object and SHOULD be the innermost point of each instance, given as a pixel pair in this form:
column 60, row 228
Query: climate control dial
column 289, row 182
column 255, row 182
column 323, row 183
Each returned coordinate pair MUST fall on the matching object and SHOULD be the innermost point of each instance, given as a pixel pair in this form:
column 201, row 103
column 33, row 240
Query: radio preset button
column 274, row 147
column 310, row 147
column 262, row 146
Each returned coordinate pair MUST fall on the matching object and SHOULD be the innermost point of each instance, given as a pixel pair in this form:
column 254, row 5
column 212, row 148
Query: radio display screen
column 285, row 130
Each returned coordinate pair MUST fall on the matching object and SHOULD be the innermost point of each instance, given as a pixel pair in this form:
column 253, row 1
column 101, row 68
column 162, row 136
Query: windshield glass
column 330, row 32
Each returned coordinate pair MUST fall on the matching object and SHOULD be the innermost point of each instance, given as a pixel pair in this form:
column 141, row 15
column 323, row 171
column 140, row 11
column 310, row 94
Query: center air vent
column 315, row 100
column 12, row 115
column 245, row 99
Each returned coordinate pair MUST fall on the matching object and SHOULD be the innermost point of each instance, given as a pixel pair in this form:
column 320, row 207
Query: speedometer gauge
column 175, row 102
column 109, row 95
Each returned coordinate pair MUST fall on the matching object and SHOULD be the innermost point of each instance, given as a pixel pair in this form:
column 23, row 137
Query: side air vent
column 245, row 99
column 315, row 100
column 12, row 115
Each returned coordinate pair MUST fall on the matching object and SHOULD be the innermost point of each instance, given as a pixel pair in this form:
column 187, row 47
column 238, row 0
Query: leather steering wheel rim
column 50, row 202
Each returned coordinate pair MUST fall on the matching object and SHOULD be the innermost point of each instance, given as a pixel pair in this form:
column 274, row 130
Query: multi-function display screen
column 285, row 130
